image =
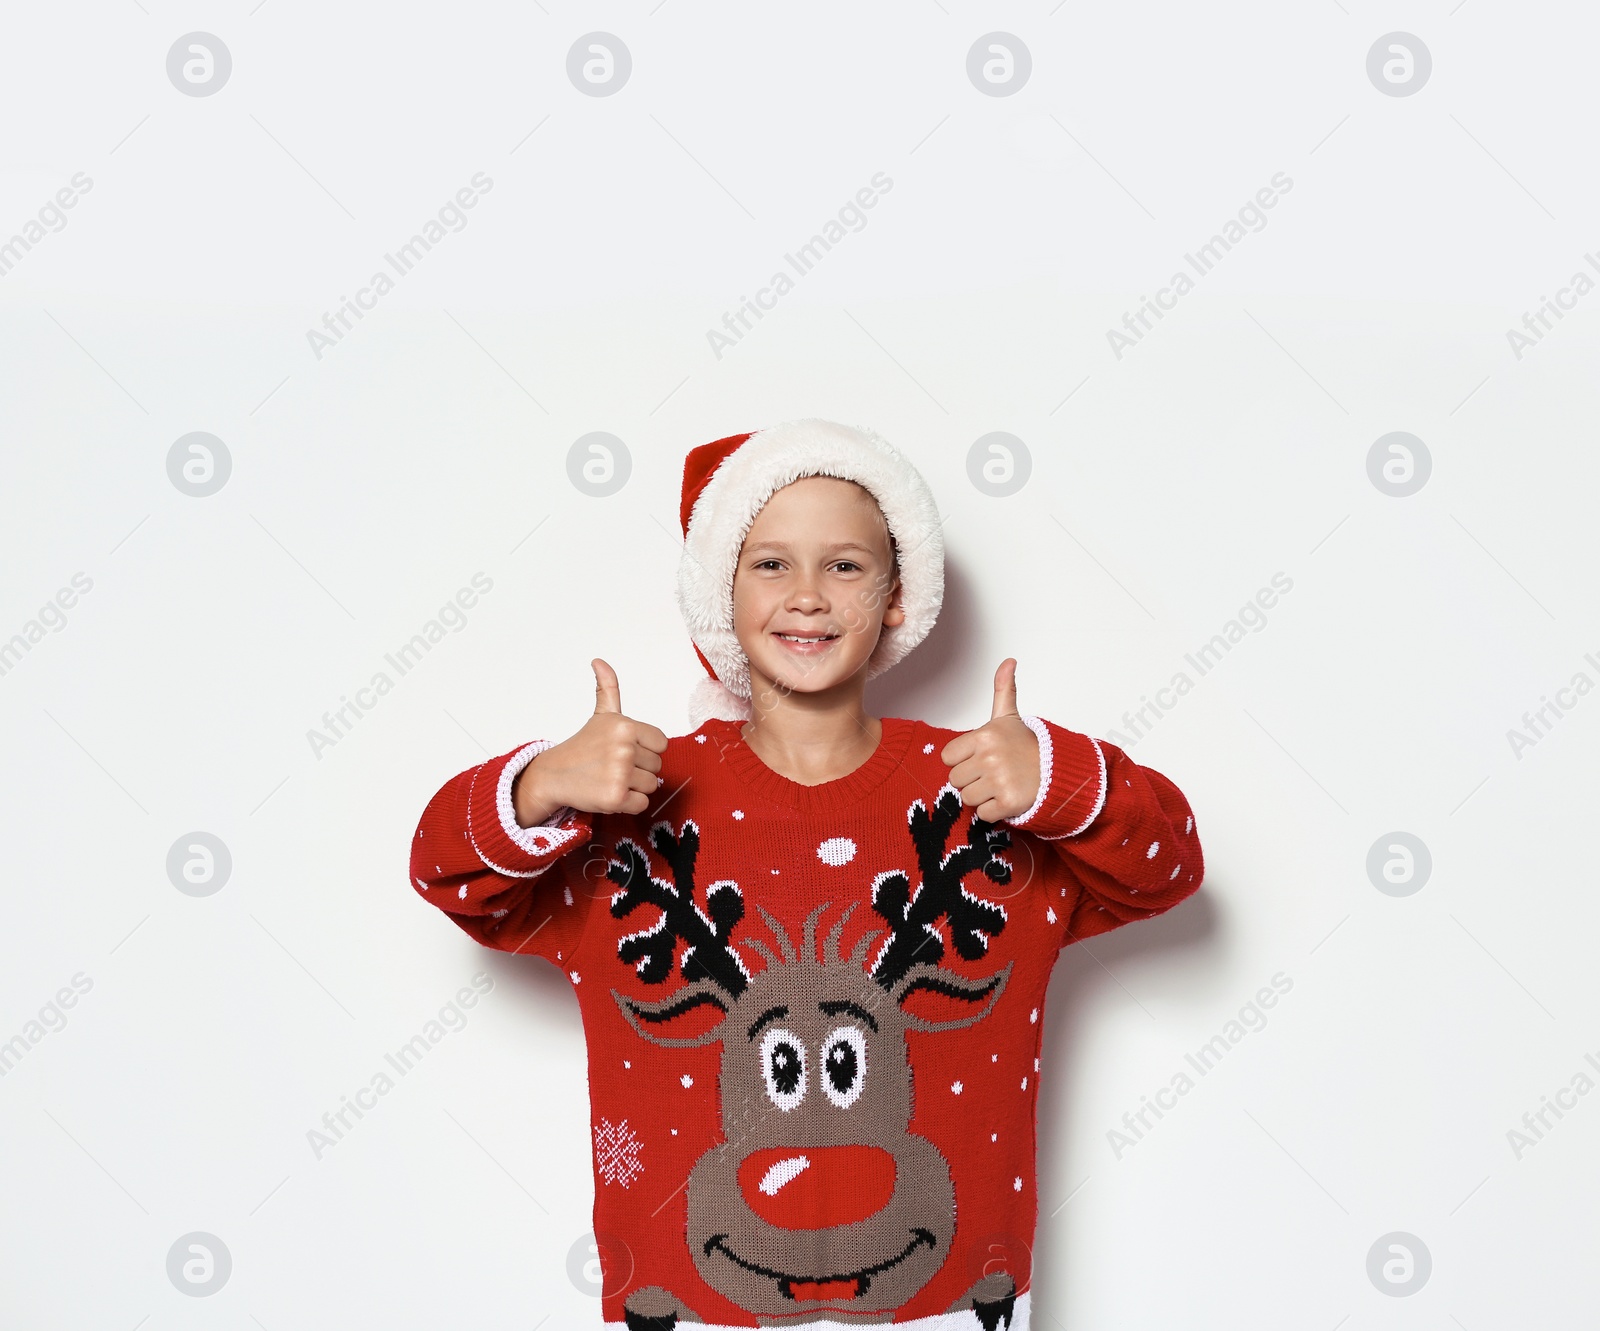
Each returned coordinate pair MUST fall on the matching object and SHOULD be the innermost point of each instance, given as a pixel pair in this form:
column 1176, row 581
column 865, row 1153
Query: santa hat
column 726, row 483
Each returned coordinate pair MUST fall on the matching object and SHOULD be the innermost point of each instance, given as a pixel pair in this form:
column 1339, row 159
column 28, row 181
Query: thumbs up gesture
column 996, row 766
column 609, row 766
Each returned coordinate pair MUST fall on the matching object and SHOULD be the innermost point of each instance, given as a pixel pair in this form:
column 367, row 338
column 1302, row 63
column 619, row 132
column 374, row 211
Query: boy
column 810, row 945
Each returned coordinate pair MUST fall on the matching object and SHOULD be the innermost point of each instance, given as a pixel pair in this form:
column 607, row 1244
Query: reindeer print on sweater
column 813, row 1012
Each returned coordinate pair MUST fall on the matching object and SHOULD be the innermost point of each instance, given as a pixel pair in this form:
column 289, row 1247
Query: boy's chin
column 827, row 676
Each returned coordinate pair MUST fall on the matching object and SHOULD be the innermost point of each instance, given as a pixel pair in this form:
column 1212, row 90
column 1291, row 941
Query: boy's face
column 814, row 586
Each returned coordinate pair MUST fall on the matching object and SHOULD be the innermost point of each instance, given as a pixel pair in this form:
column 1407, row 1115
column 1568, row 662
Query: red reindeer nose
column 817, row 1187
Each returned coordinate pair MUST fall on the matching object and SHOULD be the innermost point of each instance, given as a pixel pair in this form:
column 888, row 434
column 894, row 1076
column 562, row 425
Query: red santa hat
column 726, row 483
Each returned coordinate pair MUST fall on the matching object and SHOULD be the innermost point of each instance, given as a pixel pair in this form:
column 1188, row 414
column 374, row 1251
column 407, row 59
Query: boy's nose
column 817, row 1187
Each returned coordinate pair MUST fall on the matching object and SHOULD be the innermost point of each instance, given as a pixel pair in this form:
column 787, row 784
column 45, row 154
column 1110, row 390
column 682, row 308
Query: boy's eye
column 846, row 565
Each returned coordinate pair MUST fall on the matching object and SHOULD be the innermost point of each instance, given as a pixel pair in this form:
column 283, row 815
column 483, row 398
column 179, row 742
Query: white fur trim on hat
column 742, row 484
column 708, row 699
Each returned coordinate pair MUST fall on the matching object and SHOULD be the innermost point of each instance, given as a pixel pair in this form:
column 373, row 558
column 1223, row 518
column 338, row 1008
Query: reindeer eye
column 783, row 1066
column 844, row 1065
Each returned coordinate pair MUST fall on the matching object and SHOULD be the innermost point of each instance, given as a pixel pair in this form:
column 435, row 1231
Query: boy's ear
column 894, row 611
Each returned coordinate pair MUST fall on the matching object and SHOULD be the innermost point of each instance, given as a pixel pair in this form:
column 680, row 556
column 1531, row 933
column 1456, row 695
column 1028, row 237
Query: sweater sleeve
column 1124, row 833
column 513, row 888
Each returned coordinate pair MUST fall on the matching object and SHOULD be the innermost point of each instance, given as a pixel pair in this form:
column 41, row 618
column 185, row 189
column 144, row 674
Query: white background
column 1168, row 486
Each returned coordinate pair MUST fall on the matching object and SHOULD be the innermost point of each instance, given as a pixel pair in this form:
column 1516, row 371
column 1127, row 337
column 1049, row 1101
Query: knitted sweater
column 813, row 1013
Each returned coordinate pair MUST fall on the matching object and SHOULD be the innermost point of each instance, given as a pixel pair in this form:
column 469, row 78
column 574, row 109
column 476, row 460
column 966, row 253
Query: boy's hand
column 609, row 766
column 996, row 766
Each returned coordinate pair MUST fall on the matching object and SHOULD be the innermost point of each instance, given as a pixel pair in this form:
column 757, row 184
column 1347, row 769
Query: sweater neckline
column 754, row 775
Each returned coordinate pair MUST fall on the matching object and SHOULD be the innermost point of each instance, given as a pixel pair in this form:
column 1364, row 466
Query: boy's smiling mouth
column 807, row 644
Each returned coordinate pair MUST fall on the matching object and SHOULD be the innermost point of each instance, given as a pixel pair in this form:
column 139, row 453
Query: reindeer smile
column 848, row 1285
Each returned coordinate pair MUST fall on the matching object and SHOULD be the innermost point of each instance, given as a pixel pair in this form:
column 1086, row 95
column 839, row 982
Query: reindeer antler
column 650, row 951
column 913, row 938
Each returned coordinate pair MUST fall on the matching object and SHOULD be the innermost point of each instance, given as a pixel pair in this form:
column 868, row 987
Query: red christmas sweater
column 813, row 1013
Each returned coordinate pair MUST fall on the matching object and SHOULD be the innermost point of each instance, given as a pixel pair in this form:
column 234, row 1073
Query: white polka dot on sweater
column 1151, row 853
column 699, row 739
column 927, row 748
column 463, row 893
column 687, row 1081
column 956, row 1087
column 1016, row 1184
column 994, row 1136
column 738, row 814
column 1034, row 1015
column 837, row 850
column 1174, row 872
column 1188, row 825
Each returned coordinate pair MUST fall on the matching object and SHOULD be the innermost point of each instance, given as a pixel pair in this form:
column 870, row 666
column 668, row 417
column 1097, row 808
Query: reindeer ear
column 652, row 1020
column 954, row 990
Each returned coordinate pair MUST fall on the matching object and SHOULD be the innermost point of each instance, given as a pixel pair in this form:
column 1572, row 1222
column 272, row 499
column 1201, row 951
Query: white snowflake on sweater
column 616, row 1152
column 837, row 850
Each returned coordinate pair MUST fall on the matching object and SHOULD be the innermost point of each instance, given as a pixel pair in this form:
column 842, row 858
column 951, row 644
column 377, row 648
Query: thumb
column 607, row 693
column 1005, row 689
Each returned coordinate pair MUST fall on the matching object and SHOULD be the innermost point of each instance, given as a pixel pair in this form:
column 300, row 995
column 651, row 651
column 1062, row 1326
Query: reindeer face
column 819, row 1194
column 819, row 1197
